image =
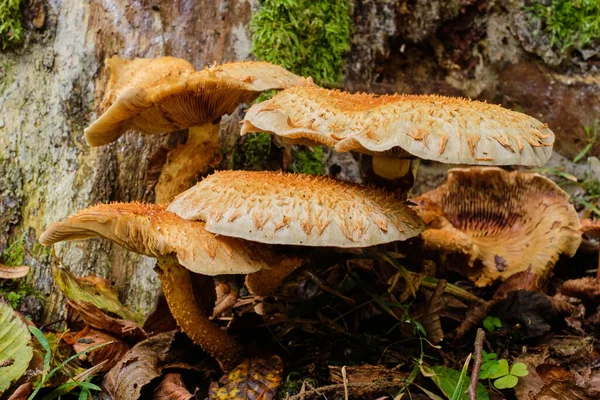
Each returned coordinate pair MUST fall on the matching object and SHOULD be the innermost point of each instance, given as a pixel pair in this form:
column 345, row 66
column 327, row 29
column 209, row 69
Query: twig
column 476, row 365
column 340, row 386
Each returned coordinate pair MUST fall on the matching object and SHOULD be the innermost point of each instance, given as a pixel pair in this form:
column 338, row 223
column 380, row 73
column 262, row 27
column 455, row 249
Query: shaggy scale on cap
column 151, row 230
column 167, row 94
column 510, row 221
column 444, row 129
column 304, row 210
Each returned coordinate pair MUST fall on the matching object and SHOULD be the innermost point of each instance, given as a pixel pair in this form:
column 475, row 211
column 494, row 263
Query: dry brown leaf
column 112, row 353
column 226, row 299
column 147, row 360
column 7, row 272
column 519, row 281
column 430, row 318
column 22, row 392
column 253, row 379
column 474, row 315
column 121, row 328
column 172, row 388
column 127, row 379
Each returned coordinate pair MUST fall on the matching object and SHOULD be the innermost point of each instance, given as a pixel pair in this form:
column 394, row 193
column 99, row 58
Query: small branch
column 477, row 365
column 341, row 386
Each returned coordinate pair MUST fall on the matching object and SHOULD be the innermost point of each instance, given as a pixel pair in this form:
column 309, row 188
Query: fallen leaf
column 22, row 392
column 226, row 299
column 146, row 361
column 15, row 352
column 111, row 353
column 93, row 316
column 94, row 290
column 430, row 318
column 172, row 388
column 138, row 368
column 7, row 272
column 523, row 280
column 253, row 379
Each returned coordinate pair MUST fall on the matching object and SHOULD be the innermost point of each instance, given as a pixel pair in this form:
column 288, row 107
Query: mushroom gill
column 504, row 222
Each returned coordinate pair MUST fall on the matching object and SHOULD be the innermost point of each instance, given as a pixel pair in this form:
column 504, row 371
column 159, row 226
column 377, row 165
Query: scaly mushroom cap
column 444, row 129
column 293, row 209
column 151, row 230
column 167, row 94
column 515, row 220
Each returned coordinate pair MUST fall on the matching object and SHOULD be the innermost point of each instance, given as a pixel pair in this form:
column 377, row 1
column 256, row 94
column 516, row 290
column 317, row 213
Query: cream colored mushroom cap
column 443, row 129
column 167, row 94
column 151, row 230
column 295, row 209
column 510, row 221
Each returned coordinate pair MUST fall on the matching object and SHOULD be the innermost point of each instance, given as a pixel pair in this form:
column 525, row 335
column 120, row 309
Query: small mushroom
column 507, row 221
column 294, row 209
column 592, row 230
column 167, row 94
column 398, row 128
column 179, row 246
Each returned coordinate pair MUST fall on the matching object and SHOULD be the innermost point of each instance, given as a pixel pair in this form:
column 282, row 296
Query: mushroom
column 592, row 230
column 507, row 221
column 179, row 246
column 397, row 128
column 294, row 209
column 167, row 94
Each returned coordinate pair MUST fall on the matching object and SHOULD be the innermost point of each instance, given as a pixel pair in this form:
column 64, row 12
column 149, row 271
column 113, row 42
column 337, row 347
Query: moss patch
column 14, row 255
column 255, row 151
column 306, row 161
column 11, row 25
column 306, row 37
column 572, row 23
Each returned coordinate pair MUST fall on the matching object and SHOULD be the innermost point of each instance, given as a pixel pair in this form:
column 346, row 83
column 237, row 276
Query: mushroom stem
column 393, row 174
column 187, row 161
column 265, row 281
column 178, row 290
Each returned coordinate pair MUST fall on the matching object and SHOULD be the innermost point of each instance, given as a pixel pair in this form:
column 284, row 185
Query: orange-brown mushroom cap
column 294, row 209
column 591, row 228
column 444, row 129
column 512, row 221
column 151, row 230
column 167, row 94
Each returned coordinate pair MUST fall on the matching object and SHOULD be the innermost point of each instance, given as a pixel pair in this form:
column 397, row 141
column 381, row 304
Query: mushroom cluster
column 267, row 224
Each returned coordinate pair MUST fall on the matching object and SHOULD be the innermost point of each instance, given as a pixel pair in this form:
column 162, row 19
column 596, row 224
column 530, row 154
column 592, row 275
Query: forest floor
column 393, row 324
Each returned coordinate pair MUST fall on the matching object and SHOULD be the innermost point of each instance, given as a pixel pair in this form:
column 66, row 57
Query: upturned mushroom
column 167, row 94
column 179, row 245
column 503, row 222
column 298, row 210
column 398, row 128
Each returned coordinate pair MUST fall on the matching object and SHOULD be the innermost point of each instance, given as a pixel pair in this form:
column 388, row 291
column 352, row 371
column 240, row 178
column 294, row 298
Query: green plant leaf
column 459, row 390
column 15, row 352
column 496, row 322
column 506, row 382
column 502, row 369
column 447, row 379
column 519, row 369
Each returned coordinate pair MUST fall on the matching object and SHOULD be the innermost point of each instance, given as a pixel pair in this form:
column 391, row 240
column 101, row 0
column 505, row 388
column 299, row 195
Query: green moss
column 306, row 161
column 306, row 37
column 7, row 75
column 255, row 151
column 14, row 255
column 292, row 385
column 11, row 26
column 572, row 23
